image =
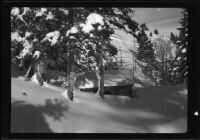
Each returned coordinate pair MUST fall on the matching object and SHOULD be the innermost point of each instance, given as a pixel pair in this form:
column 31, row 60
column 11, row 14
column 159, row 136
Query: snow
column 186, row 35
column 41, row 12
column 65, row 11
column 45, row 109
column 49, row 16
column 175, row 68
column 26, row 50
column 35, row 40
column 114, row 38
column 26, row 44
column 52, row 37
column 137, row 32
column 16, row 36
column 184, row 50
column 99, row 28
column 34, row 79
column 180, row 47
column 26, row 9
column 15, row 11
column 27, row 34
column 72, row 37
column 36, row 54
column 154, row 36
column 93, row 18
column 82, row 25
column 179, row 58
column 87, row 28
column 147, row 33
column 73, row 30
column 87, row 84
column 91, row 35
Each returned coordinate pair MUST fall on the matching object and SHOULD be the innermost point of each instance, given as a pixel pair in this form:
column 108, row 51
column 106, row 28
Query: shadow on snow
column 30, row 118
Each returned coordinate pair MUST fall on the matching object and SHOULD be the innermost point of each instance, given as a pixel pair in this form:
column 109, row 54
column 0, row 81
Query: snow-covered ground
column 44, row 109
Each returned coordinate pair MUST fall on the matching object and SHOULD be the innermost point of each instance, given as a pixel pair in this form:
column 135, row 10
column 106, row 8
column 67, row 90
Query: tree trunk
column 70, row 72
column 101, row 85
column 70, row 77
column 28, row 71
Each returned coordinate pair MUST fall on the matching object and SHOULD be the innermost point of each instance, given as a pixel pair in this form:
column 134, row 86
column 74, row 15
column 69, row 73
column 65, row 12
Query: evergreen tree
column 57, row 31
column 155, row 31
column 144, row 27
column 145, row 51
column 181, row 59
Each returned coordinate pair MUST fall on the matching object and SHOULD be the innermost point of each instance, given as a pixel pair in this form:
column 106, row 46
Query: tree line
column 165, row 57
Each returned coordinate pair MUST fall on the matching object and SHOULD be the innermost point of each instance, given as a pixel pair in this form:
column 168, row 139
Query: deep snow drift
column 41, row 109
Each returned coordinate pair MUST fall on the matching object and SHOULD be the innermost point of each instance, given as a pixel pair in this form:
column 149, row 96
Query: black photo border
column 193, row 63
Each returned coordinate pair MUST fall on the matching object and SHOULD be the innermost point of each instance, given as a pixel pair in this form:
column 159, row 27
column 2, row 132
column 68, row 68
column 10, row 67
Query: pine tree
column 182, row 67
column 155, row 31
column 119, row 18
column 145, row 51
column 51, row 30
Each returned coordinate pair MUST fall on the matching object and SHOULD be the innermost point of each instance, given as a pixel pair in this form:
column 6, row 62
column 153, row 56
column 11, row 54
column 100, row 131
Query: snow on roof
column 52, row 37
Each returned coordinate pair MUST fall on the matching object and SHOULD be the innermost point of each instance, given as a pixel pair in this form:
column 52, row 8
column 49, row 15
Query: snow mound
column 157, row 110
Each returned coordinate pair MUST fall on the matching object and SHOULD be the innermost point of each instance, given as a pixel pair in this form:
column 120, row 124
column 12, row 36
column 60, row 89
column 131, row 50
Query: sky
column 166, row 20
